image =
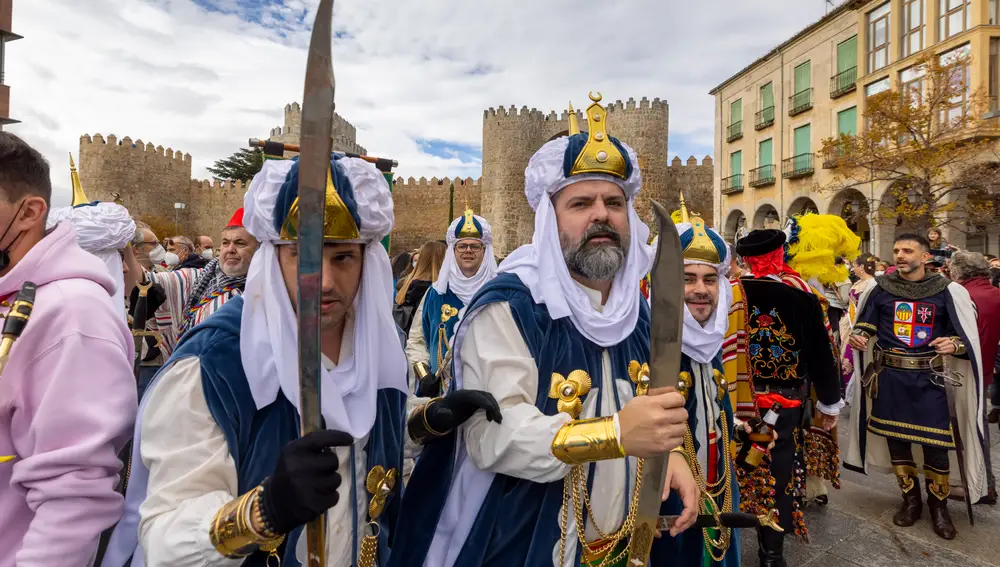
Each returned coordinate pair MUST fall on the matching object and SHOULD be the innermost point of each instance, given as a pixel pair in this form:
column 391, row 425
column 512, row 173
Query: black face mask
column 5, row 252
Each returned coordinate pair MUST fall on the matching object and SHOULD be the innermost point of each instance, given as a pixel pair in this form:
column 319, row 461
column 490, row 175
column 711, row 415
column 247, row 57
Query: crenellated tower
column 345, row 135
column 511, row 136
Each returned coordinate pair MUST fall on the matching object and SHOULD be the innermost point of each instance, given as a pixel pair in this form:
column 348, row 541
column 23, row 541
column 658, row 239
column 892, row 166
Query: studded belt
column 912, row 361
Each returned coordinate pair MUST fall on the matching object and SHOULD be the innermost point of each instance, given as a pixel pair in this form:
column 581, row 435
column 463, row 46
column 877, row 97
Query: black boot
column 771, row 550
column 937, row 504
column 912, row 507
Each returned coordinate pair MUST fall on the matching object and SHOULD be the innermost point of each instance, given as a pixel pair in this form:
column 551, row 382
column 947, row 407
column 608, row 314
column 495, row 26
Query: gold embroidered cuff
column 587, row 440
column 231, row 532
column 937, row 483
column 907, row 476
column 866, row 329
column 419, row 429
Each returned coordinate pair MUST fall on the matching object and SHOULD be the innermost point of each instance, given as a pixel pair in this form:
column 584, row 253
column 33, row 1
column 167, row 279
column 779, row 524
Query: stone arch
column 852, row 205
column 735, row 221
column 766, row 215
column 801, row 206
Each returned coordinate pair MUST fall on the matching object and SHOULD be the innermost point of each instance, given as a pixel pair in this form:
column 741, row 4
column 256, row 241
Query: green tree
column 241, row 166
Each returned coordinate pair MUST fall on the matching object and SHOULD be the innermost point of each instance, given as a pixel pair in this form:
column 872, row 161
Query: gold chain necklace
column 706, row 503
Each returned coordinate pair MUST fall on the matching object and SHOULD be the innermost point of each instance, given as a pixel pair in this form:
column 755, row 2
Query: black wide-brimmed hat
column 760, row 242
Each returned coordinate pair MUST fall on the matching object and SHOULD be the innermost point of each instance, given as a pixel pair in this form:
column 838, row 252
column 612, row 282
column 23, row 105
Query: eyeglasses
column 467, row 247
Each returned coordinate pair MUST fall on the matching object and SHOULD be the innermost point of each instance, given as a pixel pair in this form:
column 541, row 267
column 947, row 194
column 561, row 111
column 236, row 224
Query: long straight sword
column 314, row 164
column 666, row 317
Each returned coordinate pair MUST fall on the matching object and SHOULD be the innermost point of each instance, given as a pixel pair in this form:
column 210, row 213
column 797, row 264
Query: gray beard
column 599, row 263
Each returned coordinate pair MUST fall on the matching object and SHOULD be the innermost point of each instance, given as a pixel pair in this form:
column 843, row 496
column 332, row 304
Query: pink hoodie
column 67, row 406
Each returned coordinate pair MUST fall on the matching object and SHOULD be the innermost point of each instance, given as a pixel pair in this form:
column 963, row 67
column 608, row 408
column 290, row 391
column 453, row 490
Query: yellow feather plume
column 821, row 239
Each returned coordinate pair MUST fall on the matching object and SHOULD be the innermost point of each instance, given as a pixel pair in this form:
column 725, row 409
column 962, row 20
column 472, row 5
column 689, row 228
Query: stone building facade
column 150, row 180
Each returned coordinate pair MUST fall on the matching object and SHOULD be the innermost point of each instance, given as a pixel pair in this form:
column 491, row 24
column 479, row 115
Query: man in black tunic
column 919, row 320
column 788, row 355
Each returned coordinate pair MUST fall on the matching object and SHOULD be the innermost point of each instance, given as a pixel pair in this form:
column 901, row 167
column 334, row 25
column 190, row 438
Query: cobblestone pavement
column 856, row 529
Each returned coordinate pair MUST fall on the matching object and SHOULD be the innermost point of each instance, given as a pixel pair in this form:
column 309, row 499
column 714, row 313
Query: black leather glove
column 457, row 407
column 305, row 480
column 429, row 387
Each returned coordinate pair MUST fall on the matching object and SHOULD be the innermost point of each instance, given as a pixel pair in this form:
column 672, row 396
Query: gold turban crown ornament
column 79, row 197
column 338, row 223
column 600, row 154
column 469, row 228
column 701, row 247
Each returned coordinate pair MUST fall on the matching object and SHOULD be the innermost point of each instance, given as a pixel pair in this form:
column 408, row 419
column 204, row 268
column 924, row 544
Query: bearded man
column 711, row 425
column 468, row 265
column 918, row 319
column 194, row 294
column 552, row 339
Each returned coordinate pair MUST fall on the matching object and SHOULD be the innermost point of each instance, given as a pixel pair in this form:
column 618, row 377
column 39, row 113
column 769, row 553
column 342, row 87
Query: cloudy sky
column 202, row 76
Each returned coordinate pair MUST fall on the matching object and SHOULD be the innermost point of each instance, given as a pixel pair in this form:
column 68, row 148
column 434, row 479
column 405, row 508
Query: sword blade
column 314, row 162
column 666, row 316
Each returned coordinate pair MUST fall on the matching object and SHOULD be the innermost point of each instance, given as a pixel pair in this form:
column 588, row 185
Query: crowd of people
column 475, row 411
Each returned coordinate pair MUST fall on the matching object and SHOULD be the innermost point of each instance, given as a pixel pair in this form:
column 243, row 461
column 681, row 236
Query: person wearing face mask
column 468, row 265
column 67, row 390
column 181, row 254
column 192, row 294
column 204, row 247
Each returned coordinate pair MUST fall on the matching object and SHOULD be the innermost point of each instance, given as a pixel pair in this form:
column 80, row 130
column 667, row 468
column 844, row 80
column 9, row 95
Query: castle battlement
column 97, row 141
column 446, row 182
column 616, row 106
column 219, row 184
column 691, row 162
column 344, row 133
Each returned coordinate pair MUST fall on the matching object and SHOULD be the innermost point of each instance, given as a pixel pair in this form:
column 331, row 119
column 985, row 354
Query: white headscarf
column 702, row 344
column 269, row 328
column 451, row 275
column 542, row 268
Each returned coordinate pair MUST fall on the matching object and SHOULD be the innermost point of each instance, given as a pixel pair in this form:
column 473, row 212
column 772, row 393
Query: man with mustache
column 468, row 265
column 552, row 338
column 777, row 351
column 707, row 297
column 922, row 322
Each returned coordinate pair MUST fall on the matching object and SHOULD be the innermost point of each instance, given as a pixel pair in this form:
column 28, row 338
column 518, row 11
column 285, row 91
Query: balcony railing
column 831, row 157
column 798, row 166
column 761, row 176
column 734, row 131
column 800, row 102
column 765, row 118
column 843, row 82
column 732, row 184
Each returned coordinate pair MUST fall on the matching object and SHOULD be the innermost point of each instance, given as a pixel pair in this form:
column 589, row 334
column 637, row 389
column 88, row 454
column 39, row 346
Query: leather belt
column 800, row 393
column 912, row 362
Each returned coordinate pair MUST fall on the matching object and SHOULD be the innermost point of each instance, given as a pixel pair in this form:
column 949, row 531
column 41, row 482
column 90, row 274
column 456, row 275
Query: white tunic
column 192, row 475
column 496, row 359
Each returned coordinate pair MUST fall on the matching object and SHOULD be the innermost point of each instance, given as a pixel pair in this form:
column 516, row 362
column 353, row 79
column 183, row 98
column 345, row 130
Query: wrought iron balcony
column 831, row 157
column 761, row 176
column 765, row 118
column 800, row 102
column 734, row 131
column 798, row 166
column 843, row 82
column 732, row 184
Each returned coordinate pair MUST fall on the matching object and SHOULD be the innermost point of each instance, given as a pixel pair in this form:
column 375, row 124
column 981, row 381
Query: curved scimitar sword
column 666, row 317
column 314, row 162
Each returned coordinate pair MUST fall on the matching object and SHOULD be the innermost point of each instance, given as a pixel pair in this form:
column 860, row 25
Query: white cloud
column 175, row 74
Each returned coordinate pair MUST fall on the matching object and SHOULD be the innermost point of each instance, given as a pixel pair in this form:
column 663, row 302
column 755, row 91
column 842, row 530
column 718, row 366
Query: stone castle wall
column 151, row 179
column 421, row 207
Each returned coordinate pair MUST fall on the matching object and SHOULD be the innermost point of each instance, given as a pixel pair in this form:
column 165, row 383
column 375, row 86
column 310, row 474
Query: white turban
column 451, row 275
column 101, row 229
column 541, row 265
column 269, row 327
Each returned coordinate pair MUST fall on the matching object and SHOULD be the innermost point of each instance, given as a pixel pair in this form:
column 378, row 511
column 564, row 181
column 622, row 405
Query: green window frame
column 847, row 121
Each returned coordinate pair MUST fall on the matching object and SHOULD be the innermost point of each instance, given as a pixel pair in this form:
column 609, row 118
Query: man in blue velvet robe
column 707, row 299
column 468, row 265
column 219, row 477
column 552, row 339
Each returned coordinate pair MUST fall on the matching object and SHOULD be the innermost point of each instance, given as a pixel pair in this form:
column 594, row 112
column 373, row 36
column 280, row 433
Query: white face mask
column 156, row 254
column 171, row 259
column 414, row 263
column 207, row 253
